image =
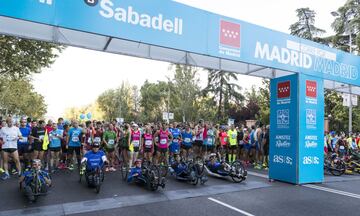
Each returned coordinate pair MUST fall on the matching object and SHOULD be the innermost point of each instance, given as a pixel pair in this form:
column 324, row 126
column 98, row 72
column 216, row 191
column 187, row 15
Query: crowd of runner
column 62, row 145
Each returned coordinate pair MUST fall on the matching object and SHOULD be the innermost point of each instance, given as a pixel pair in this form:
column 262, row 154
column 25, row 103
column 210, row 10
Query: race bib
column 233, row 136
column 187, row 140
column 89, row 140
column 342, row 147
column 136, row 143
column 210, row 141
column 175, row 140
column 41, row 137
column 24, row 140
column 97, row 139
column 111, row 142
column 75, row 139
column 10, row 138
column 148, row 143
column 163, row 141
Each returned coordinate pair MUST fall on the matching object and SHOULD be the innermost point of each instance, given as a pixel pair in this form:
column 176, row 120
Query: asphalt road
column 255, row 196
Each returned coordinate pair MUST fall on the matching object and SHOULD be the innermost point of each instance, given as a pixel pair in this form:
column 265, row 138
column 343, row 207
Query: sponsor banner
column 174, row 25
column 283, row 133
column 311, row 129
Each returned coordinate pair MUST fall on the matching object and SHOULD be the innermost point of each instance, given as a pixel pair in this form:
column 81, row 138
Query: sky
column 79, row 76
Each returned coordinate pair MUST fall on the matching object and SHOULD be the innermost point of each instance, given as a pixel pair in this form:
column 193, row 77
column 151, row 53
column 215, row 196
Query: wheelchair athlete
column 178, row 167
column 93, row 159
column 217, row 167
column 136, row 173
column 38, row 187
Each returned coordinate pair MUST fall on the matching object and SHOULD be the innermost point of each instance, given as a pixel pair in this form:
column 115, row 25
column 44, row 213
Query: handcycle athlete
column 92, row 166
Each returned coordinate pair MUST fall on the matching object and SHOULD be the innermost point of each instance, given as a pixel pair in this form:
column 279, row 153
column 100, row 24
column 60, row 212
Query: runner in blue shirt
column 24, row 147
column 175, row 143
column 74, row 144
column 187, row 142
column 55, row 137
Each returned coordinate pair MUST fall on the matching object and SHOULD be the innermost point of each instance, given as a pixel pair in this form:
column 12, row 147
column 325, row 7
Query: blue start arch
column 170, row 31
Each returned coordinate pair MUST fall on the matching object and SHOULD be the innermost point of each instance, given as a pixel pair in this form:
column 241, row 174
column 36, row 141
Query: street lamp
column 349, row 31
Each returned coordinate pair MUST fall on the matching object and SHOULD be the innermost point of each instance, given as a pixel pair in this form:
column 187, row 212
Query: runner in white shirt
column 10, row 135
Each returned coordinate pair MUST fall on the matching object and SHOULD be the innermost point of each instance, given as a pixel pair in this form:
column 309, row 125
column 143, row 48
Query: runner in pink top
column 148, row 144
column 164, row 138
column 135, row 142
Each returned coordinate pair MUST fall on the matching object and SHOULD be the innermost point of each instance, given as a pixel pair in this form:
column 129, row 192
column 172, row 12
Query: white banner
column 346, row 99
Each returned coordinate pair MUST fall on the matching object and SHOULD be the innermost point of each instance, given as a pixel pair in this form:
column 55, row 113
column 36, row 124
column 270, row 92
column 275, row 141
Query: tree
column 224, row 92
column 187, row 90
column 305, row 27
column 347, row 21
column 152, row 100
column 264, row 102
column 117, row 102
column 19, row 97
column 22, row 57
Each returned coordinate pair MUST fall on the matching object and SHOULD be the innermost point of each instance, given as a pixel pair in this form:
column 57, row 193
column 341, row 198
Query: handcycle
column 36, row 187
column 94, row 177
column 236, row 170
column 188, row 171
column 334, row 165
column 150, row 177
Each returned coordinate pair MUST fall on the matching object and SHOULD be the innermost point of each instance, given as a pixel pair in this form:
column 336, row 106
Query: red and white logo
column 283, row 89
column 229, row 34
column 311, row 88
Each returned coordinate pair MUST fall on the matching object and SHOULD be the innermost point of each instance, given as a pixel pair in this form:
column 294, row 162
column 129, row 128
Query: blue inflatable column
column 297, row 129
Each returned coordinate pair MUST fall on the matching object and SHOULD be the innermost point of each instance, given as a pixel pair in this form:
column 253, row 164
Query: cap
column 212, row 155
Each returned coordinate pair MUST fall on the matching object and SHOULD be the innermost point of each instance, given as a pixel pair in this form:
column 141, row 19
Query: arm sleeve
column 103, row 158
column 84, row 160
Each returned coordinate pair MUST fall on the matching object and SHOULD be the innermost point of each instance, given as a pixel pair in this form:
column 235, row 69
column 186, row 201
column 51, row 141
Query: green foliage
column 152, row 100
column 19, row 97
column 22, row 57
column 118, row 102
column 224, row 91
column 305, row 27
column 347, row 21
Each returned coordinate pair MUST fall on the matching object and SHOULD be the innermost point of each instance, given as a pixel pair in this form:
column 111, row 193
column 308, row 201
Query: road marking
column 132, row 200
column 230, row 207
column 344, row 193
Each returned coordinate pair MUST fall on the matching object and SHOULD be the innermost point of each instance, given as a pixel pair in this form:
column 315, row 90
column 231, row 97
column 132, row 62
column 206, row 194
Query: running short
column 162, row 150
column 38, row 146
column 233, row 147
column 9, row 150
column 71, row 150
column 24, row 149
column 198, row 143
column 136, row 149
column 56, row 149
column 173, row 148
column 186, row 147
column 147, row 150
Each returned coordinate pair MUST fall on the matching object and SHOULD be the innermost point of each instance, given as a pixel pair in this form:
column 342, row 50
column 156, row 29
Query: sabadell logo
column 131, row 16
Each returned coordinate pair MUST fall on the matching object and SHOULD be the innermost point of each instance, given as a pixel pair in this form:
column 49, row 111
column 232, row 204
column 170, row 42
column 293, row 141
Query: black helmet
column 96, row 145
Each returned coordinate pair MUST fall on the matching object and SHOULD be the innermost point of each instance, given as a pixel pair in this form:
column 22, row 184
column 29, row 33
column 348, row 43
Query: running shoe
column 5, row 176
column 112, row 169
column 71, row 167
column 14, row 171
column 2, row 171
